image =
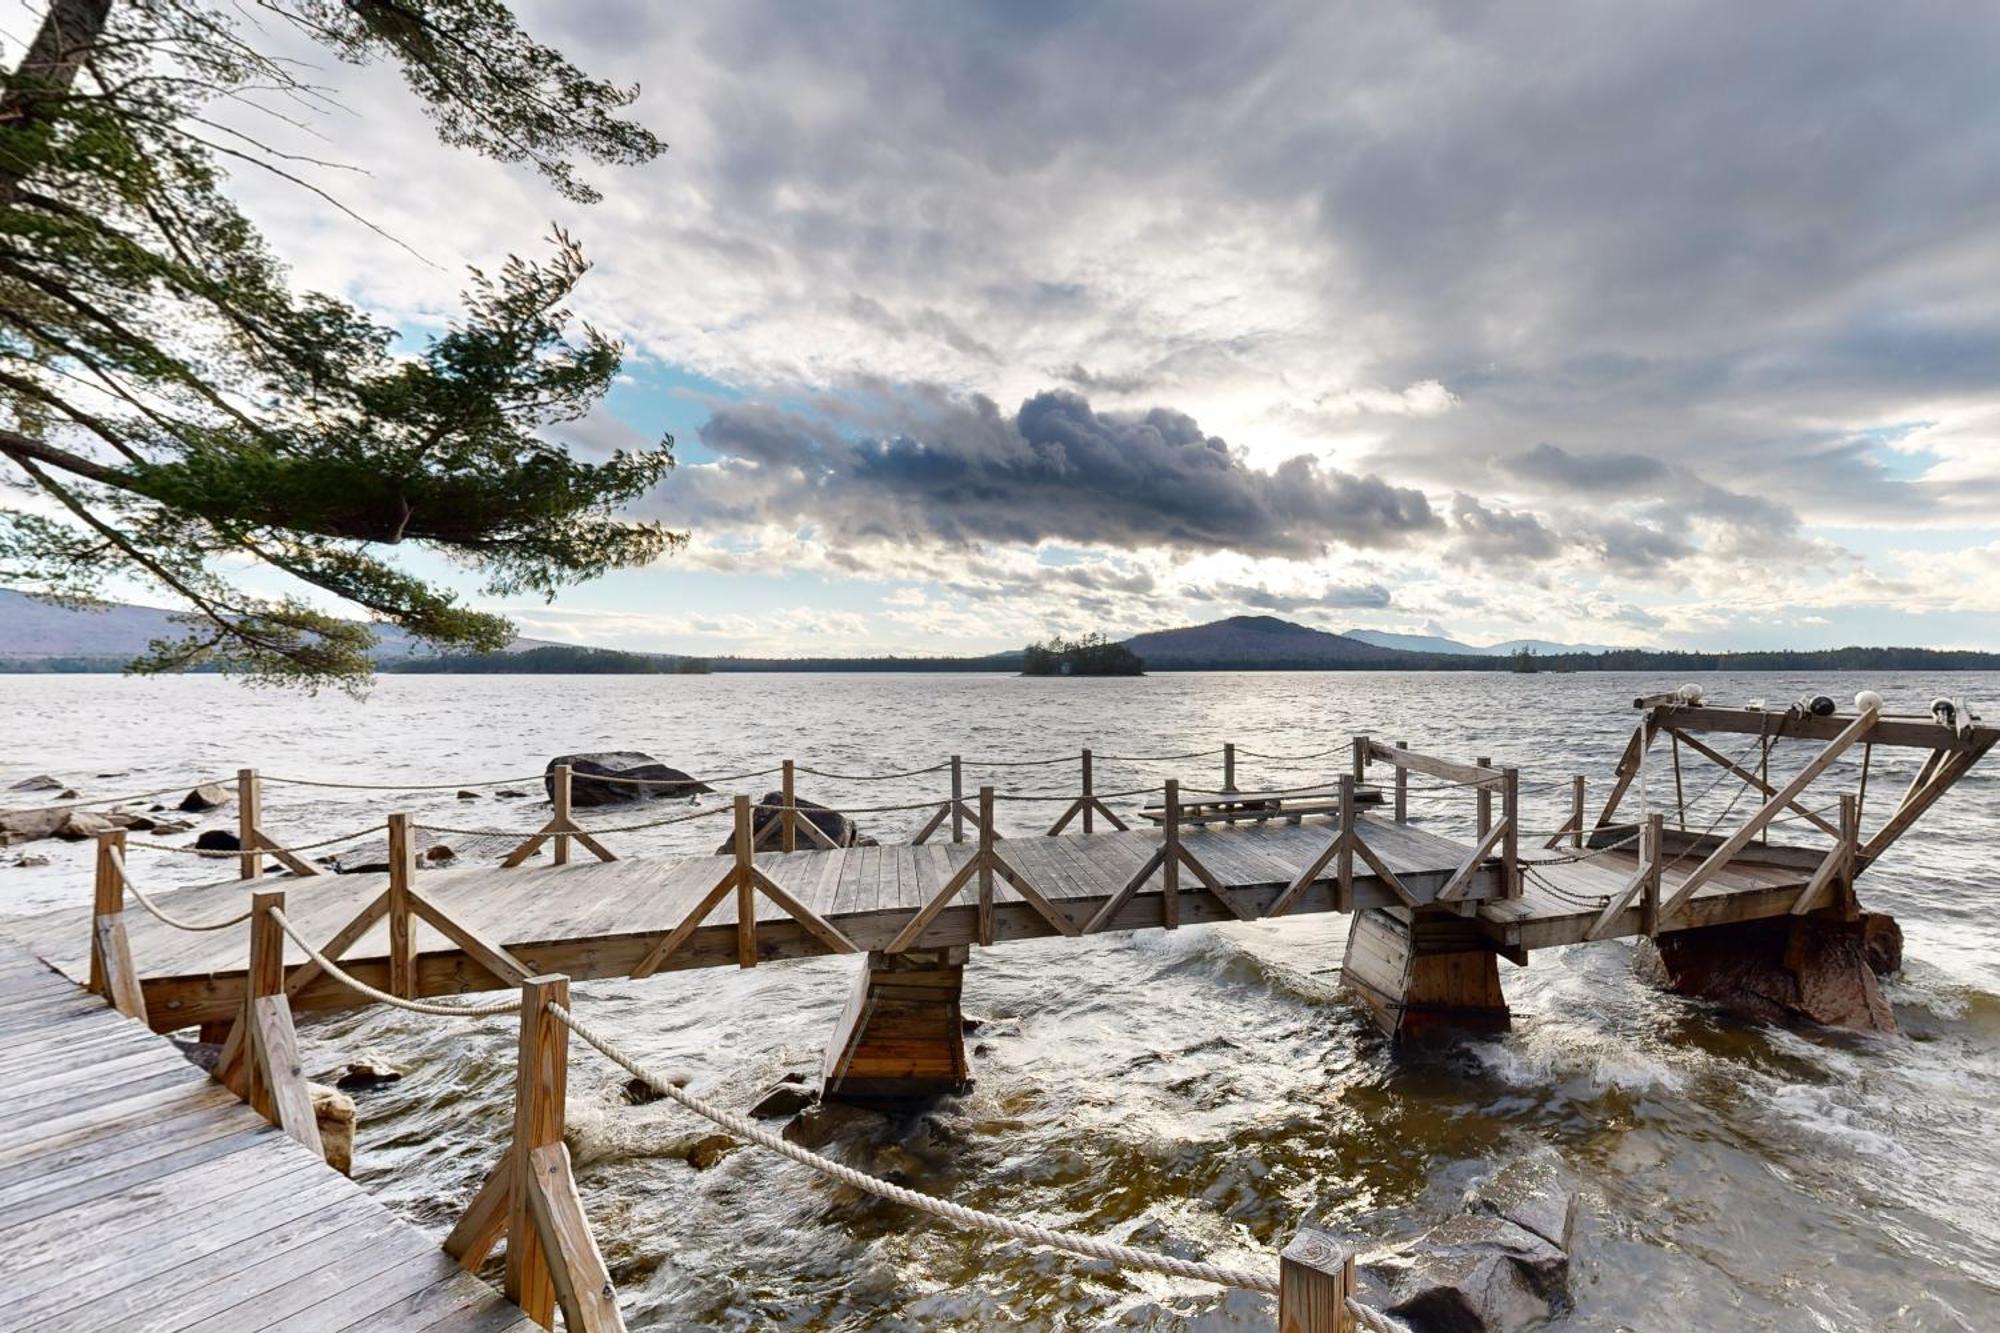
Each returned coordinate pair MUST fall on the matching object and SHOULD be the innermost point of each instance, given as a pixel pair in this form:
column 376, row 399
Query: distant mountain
column 31, row 630
column 1433, row 643
column 1263, row 643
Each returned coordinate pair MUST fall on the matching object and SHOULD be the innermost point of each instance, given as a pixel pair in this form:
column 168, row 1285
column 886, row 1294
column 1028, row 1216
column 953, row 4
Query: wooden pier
column 1433, row 915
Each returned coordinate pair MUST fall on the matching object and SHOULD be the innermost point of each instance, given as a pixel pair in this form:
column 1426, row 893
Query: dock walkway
column 138, row 1194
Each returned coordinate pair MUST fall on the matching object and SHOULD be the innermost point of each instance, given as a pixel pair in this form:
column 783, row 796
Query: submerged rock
column 218, row 840
column 767, row 815
column 333, row 1111
column 640, row 777
column 787, row 1098
column 364, row 1075
column 40, row 782
column 706, row 1152
column 1784, row 970
column 82, row 824
column 1501, row 1265
column 208, row 796
column 638, row 1092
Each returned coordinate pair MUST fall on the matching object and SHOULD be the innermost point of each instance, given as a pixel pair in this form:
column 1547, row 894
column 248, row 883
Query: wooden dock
column 139, row 1195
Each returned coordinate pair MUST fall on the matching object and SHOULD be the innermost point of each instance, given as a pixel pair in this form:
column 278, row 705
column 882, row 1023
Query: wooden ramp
column 137, row 1194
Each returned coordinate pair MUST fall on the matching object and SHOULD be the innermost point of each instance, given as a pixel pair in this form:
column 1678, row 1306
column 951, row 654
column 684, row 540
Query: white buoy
column 1868, row 702
column 1690, row 693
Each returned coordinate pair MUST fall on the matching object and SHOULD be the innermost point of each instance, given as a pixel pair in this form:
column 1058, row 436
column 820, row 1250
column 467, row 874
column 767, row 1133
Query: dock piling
column 249, row 819
column 402, row 885
column 112, row 973
column 1315, row 1282
column 789, row 816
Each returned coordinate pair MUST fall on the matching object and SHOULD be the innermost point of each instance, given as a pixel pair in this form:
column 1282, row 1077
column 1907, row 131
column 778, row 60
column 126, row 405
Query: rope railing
column 358, row 986
column 117, row 860
column 976, row 1218
column 221, row 853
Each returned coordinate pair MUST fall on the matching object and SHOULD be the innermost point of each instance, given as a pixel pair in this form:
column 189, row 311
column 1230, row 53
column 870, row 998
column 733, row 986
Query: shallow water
column 1200, row 1091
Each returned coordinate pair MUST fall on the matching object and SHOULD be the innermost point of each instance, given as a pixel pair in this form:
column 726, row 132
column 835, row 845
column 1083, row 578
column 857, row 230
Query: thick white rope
column 360, row 987
column 161, row 913
column 397, row 786
column 1090, row 1246
column 220, row 853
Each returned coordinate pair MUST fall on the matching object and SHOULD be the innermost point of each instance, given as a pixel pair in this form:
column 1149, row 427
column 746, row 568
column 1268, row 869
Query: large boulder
column 1784, row 970
column 1501, row 1265
column 333, row 1112
column 208, row 796
column 641, row 777
column 767, row 817
column 40, row 782
column 27, row 825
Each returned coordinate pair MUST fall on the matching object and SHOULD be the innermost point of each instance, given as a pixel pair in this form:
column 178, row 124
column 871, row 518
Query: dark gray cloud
column 1056, row 470
column 1558, row 469
column 1333, row 596
column 1498, row 533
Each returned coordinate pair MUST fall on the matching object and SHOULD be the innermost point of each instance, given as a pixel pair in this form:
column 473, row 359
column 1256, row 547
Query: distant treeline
column 550, row 661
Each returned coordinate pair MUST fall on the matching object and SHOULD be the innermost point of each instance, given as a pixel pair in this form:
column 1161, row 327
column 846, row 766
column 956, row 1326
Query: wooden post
column 559, row 797
column 541, row 1084
column 1344, row 893
column 277, row 1082
column 1229, row 765
column 1652, row 852
column 1850, row 839
column 1315, row 1280
column 985, row 865
column 789, row 817
column 1402, row 788
column 1485, row 801
column 1170, row 867
column 112, row 974
column 1510, row 840
column 1360, row 759
column 1576, row 810
column 1680, row 790
column 249, row 819
column 746, row 888
column 958, row 800
column 402, row 879
column 1089, row 795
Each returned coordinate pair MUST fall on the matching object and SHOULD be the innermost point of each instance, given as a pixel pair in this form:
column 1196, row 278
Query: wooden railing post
column 1510, row 839
column 1402, row 788
column 1360, row 759
column 1089, row 795
column 985, row 865
column 1170, row 866
column 1229, row 765
column 1485, row 799
column 559, row 797
column 1850, row 839
column 1576, row 810
column 1652, row 854
column 541, row 1089
column 249, row 822
column 746, row 887
column 1315, row 1280
column 402, row 882
column 276, row 1082
column 789, row 816
column 1344, row 863
column 957, row 800
column 112, row 973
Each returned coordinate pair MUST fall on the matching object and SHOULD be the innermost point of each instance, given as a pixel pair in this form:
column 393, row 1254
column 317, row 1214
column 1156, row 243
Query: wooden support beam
column 277, row 1081
column 1736, row 841
column 678, row 936
column 957, row 800
column 1629, row 764
column 1483, row 823
column 985, row 863
column 1709, row 752
column 1905, row 732
column 559, row 798
column 1344, row 867
column 1132, row 884
column 1655, row 839
column 901, row 1035
column 932, row 824
column 1170, row 857
column 1402, row 788
column 1838, row 869
column 1646, row 872
column 1214, row 886
column 505, row 967
column 745, row 881
column 1460, row 882
column 913, row 930
column 788, row 818
column 484, row 1221
column 249, row 816
column 112, row 973
column 1404, row 757
column 1359, row 766
column 1088, row 800
column 583, row 1289
column 1229, row 765
column 402, row 883
column 1510, row 842
column 1315, row 1283
column 1937, row 779
column 541, row 1086
column 344, row 939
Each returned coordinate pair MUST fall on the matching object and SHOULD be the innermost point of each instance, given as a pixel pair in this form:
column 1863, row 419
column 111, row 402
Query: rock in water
column 82, row 824
column 1882, row 942
column 1783, row 970
column 208, row 796
column 787, row 1098
column 1500, row 1266
column 218, row 840
column 766, row 817
column 40, row 782
column 642, row 777
column 27, row 825
column 706, row 1152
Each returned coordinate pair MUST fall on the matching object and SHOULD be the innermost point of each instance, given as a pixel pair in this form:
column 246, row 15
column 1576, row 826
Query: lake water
column 1202, row 1090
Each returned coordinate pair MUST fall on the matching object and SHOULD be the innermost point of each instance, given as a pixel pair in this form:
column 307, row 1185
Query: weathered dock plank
column 137, row 1194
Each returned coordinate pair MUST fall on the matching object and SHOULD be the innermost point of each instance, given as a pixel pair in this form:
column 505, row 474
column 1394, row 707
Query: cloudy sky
column 1673, row 324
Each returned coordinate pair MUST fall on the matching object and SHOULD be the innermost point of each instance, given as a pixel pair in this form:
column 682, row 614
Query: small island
column 1091, row 655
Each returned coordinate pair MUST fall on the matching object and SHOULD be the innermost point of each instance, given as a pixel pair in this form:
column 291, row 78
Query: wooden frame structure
column 1501, row 837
